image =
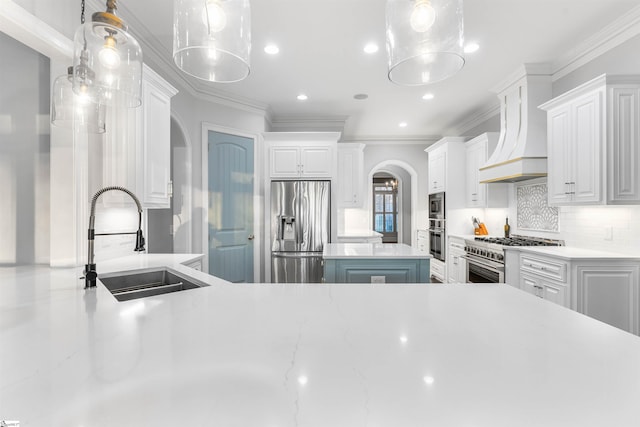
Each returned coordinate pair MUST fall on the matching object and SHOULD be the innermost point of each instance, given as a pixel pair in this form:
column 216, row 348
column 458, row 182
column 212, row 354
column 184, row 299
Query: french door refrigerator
column 300, row 227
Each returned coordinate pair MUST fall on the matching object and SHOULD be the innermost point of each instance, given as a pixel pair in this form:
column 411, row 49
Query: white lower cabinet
column 422, row 240
column 456, row 264
column 606, row 289
column 609, row 293
column 437, row 271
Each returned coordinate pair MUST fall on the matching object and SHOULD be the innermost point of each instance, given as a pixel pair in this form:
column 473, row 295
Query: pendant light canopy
column 212, row 39
column 70, row 110
column 425, row 40
column 107, row 60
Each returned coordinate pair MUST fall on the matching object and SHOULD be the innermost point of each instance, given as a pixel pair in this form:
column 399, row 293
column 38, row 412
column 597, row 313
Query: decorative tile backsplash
column 533, row 213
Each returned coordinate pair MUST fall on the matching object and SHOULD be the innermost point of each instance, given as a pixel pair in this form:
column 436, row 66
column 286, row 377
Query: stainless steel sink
column 136, row 284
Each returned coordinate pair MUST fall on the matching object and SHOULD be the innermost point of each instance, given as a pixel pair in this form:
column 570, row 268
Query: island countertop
column 371, row 251
column 267, row 355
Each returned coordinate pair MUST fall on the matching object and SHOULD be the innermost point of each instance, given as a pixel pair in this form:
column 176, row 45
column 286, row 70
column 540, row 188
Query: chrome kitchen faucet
column 90, row 273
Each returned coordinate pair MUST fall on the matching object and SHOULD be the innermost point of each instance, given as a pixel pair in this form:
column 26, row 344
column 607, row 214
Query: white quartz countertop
column 568, row 252
column 306, row 356
column 359, row 233
column 371, row 250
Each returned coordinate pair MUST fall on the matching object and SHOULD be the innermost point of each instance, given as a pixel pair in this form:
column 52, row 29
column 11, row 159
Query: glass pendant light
column 425, row 40
column 70, row 110
column 107, row 60
column 212, row 39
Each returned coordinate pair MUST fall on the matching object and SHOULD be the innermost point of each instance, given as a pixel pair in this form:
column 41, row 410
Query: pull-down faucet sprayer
column 90, row 274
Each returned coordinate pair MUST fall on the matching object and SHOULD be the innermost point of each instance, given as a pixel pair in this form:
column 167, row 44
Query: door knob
column 251, row 237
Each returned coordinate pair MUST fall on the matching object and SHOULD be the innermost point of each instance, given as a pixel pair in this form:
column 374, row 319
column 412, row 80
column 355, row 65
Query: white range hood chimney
column 521, row 152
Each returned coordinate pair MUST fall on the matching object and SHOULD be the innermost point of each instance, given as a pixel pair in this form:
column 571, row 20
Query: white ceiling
column 321, row 54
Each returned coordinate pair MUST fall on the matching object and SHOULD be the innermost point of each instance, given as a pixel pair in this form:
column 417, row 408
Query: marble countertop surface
column 568, row 252
column 262, row 355
column 371, row 250
column 359, row 233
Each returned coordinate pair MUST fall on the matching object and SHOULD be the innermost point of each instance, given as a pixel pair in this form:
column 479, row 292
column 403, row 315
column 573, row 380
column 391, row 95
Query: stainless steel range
column 485, row 255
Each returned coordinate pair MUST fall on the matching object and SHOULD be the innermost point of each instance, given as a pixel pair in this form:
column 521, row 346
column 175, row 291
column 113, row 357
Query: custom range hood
column 521, row 152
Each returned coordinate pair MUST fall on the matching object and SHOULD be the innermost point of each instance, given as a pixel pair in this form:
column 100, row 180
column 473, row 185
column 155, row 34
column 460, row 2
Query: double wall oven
column 437, row 224
column 485, row 256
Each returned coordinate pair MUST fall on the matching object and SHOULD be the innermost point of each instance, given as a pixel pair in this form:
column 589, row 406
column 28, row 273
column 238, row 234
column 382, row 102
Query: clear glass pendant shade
column 107, row 64
column 212, row 39
column 70, row 110
column 425, row 40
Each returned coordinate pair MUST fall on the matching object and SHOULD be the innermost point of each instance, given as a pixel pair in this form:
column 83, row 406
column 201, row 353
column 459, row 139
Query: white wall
column 24, row 155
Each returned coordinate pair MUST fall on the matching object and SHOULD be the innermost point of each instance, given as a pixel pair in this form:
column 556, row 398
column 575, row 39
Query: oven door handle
column 489, row 265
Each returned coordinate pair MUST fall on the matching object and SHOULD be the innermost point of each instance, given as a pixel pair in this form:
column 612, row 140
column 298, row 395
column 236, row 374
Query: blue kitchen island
column 375, row 263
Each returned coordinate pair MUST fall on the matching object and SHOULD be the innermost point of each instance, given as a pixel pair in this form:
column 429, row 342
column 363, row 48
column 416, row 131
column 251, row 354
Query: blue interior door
column 231, row 207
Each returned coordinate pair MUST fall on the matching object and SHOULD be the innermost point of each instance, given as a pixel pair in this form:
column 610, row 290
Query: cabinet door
column 587, row 149
column 475, row 157
column 437, row 171
column 559, row 161
column 285, row 162
column 156, row 147
column 555, row 293
column 350, row 179
column 316, row 162
column 609, row 294
column 623, row 136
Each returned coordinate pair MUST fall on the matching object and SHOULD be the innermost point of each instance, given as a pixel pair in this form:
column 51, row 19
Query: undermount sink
column 136, row 284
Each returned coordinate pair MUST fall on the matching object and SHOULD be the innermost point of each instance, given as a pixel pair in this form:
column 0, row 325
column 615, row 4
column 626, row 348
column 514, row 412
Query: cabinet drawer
column 437, row 269
column 547, row 267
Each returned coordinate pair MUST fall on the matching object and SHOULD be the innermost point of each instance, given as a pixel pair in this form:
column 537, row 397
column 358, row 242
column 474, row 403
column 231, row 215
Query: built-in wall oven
column 437, row 223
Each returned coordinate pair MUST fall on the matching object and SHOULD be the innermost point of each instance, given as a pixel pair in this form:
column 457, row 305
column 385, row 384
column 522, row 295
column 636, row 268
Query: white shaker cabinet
column 477, row 151
column 456, row 263
column 437, row 170
column 593, row 143
column 154, row 172
column 137, row 149
column 446, row 170
column 351, row 191
column 604, row 287
column 302, row 154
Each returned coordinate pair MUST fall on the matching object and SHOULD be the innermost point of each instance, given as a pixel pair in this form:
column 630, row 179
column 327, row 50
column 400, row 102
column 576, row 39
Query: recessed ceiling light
column 302, row 97
column 371, row 48
column 360, row 96
column 427, row 96
column 471, row 47
column 271, row 49
column 402, row 124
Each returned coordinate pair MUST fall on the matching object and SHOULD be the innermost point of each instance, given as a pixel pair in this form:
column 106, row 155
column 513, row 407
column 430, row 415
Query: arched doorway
column 407, row 196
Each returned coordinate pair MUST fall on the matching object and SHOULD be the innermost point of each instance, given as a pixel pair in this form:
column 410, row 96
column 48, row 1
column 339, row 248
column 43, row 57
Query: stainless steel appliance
column 300, row 227
column 485, row 256
column 437, row 223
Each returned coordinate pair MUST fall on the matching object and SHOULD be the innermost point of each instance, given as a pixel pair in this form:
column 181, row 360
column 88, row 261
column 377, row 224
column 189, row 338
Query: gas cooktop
column 519, row 241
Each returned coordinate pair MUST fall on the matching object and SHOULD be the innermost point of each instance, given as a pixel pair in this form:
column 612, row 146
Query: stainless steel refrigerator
column 300, row 227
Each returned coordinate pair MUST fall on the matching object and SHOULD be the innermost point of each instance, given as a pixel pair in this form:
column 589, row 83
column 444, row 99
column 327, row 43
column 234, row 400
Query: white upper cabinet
column 154, row 184
column 437, row 170
column 137, row 149
column 593, row 153
column 351, row 191
column 478, row 195
column 302, row 154
column 444, row 173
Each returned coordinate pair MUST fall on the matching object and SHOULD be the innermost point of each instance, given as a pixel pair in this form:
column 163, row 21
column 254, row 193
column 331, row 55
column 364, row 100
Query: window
column 385, row 208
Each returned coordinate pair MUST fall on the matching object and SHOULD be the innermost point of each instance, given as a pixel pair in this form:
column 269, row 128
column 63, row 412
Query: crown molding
column 392, row 139
column 611, row 36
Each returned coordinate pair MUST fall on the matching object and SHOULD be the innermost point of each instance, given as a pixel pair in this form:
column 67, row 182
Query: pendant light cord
column 82, row 12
